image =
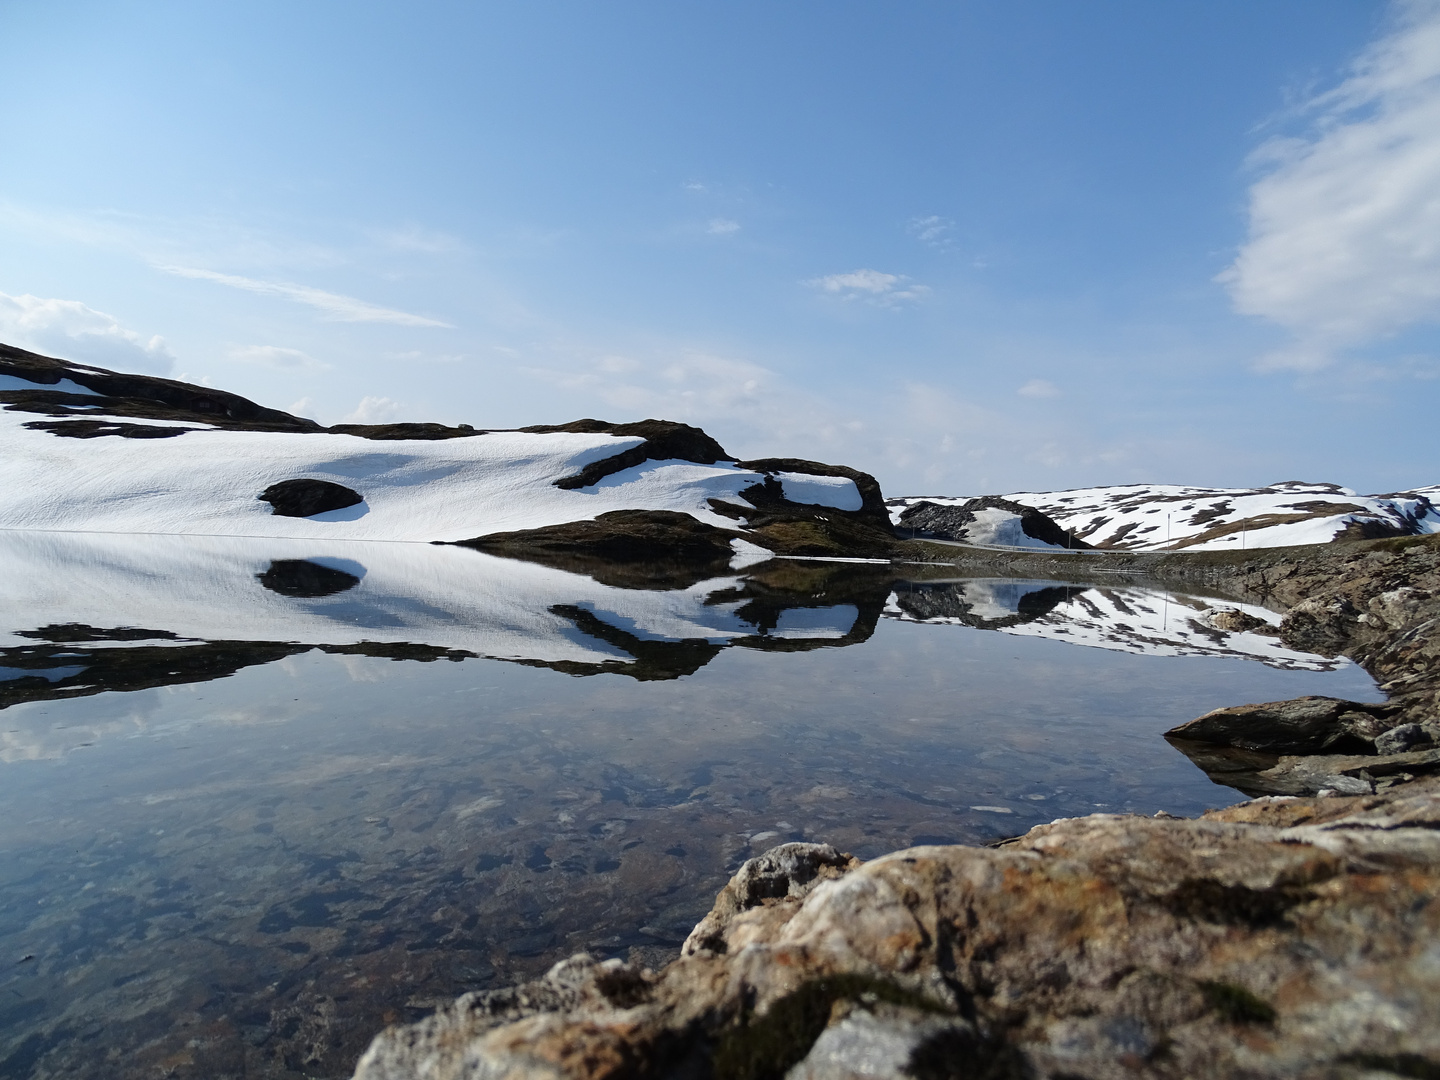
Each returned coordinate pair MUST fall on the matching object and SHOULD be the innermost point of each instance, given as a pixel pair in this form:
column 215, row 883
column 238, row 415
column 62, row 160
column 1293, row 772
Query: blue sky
column 969, row 247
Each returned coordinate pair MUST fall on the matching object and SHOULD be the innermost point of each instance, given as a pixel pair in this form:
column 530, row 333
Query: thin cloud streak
column 336, row 307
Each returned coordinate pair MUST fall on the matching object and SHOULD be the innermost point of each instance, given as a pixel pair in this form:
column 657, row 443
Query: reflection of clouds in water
column 47, row 731
column 361, row 669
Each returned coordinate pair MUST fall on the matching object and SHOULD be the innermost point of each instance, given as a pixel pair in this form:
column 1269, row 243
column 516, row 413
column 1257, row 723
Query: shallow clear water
column 250, row 866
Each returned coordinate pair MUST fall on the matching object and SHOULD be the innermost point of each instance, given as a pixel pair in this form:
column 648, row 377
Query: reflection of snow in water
column 1126, row 618
column 258, row 589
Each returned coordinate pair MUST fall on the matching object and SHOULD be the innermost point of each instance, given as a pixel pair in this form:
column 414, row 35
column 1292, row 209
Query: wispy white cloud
column 874, row 286
column 73, row 331
column 1344, row 243
column 722, row 227
column 934, row 230
column 689, row 386
column 277, row 356
column 1039, row 388
column 337, row 308
column 375, row 410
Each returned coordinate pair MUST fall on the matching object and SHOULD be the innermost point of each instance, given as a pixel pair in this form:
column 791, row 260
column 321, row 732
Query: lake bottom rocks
column 1283, row 937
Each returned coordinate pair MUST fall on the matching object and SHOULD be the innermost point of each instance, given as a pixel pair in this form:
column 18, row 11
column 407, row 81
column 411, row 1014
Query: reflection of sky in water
column 253, row 874
column 53, row 674
column 826, row 622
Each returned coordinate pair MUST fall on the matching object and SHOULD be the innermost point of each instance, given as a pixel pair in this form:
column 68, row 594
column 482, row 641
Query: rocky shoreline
column 1292, row 935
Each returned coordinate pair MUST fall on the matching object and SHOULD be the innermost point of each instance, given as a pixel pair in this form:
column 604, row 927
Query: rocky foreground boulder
column 1281, row 938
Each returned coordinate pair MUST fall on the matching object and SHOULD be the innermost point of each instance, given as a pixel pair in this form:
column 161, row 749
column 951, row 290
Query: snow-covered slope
column 1147, row 517
column 127, row 466
column 1123, row 618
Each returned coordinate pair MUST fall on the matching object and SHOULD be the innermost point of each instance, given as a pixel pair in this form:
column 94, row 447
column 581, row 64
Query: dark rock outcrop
column 393, row 432
column 1307, row 725
column 938, row 521
column 97, row 429
column 139, row 396
column 665, row 440
column 631, row 548
column 306, row 497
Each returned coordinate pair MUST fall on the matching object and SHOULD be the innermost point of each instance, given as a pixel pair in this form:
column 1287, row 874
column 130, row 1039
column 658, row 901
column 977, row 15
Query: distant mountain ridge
column 1170, row 517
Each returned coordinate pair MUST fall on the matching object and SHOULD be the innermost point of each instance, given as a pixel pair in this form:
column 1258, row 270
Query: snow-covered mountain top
column 1148, row 517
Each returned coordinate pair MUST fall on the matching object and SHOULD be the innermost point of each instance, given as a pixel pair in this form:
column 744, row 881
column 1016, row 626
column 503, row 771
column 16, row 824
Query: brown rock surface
column 1286, row 937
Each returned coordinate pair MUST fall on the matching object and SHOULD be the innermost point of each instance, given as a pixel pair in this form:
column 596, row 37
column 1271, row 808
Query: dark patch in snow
column 664, row 441
column 392, row 432
column 306, row 497
column 95, row 429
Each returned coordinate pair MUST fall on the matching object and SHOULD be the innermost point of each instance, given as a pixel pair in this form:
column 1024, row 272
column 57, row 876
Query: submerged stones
column 306, row 497
column 1259, row 941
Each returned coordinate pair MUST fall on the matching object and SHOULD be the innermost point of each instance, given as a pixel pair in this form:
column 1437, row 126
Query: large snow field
column 206, row 482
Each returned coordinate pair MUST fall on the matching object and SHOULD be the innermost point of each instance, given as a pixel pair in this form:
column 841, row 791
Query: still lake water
column 261, row 798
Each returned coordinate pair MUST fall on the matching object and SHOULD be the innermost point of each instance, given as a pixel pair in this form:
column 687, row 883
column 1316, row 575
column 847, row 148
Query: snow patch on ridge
column 1150, row 517
column 1001, row 528
column 839, row 492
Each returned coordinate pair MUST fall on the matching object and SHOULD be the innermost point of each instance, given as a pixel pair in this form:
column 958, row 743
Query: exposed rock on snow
column 306, row 497
column 988, row 521
column 1150, row 517
column 1281, row 939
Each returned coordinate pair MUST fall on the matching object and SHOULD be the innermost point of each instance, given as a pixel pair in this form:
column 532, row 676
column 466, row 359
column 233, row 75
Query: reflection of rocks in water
column 984, row 604
column 789, row 611
column 64, row 668
column 304, row 578
column 1135, row 617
